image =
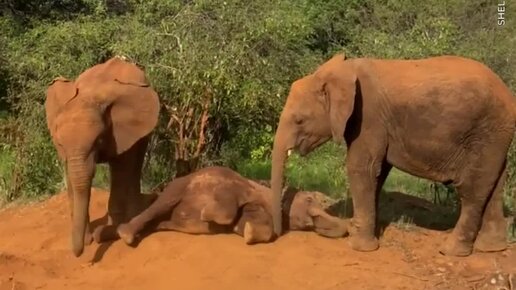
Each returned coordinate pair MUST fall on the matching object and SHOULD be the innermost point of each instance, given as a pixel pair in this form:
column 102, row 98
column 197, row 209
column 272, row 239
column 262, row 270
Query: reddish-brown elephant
column 447, row 119
column 106, row 115
column 217, row 199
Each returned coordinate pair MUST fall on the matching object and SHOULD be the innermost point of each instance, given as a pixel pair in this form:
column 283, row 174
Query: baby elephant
column 217, row 199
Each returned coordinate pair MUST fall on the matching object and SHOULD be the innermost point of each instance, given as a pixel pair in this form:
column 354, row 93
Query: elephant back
column 116, row 68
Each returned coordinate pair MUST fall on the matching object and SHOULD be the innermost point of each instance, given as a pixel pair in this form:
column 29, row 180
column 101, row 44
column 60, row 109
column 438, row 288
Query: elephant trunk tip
column 78, row 249
column 78, row 242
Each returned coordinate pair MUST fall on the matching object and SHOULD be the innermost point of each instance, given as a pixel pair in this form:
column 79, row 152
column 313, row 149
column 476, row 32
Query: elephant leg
column 222, row 210
column 492, row 236
column 167, row 226
column 136, row 201
column 161, row 206
column 125, row 195
column 116, row 204
column 336, row 228
column 327, row 225
column 257, row 233
column 253, row 232
column 384, row 173
column 474, row 190
column 117, row 195
column 255, row 224
column 88, row 237
column 221, row 215
column 190, row 227
column 366, row 176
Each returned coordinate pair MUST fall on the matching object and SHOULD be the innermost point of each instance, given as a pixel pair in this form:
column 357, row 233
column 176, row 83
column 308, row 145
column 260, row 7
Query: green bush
column 322, row 170
column 240, row 55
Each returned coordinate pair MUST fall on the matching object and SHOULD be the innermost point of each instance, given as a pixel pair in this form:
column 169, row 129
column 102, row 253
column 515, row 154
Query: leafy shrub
column 233, row 59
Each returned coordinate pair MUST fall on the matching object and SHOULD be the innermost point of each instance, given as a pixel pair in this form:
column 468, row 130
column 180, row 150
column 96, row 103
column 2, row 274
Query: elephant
column 446, row 118
column 106, row 115
column 217, row 199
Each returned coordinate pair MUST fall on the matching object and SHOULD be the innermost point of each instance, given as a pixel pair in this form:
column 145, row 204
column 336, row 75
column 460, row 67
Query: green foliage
column 41, row 54
column 237, row 59
column 322, row 170
column 248, row 143
column 7, row 163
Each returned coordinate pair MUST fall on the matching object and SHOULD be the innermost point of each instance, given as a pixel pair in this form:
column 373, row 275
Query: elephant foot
column 205, row 215
column 453, row 246
column 125, row 232
column 490, row 242
column 364, row 244
column 105, row 233
column 359, row 240
column 254, row 235
column 249, row 233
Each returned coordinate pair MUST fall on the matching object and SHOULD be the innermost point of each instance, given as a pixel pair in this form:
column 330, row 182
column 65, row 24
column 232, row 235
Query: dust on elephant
column 106, row 115
column 447, row 119
column 217, row 199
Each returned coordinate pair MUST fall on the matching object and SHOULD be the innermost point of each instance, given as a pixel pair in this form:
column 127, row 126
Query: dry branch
column 187, row 126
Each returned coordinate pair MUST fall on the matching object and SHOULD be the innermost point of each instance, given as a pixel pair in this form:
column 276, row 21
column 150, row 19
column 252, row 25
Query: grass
column 101, row 179
column 320, row 170
column 10, row 180
column 6, row 170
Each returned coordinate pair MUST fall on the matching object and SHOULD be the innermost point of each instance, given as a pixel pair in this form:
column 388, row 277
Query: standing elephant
column 106, row 115
column 447, row 119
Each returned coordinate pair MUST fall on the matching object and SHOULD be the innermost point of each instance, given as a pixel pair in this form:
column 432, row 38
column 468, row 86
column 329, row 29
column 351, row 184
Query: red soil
column 35, row 254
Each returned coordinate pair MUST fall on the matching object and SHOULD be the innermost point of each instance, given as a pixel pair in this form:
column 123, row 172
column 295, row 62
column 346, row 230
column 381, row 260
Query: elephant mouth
column 303, row 151
column 307, row 145
column 303, row 147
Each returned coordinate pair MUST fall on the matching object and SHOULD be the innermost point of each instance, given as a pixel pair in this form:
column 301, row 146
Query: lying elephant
column 217, row 199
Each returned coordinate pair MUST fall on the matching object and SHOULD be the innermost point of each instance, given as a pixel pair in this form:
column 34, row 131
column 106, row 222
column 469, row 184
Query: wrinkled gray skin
column 217, row 199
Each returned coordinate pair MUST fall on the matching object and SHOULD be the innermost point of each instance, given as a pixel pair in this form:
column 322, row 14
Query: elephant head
column 93, row 121
column 318, row 107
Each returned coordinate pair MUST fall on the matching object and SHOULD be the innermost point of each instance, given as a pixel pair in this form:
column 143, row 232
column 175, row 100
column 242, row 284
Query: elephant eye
column 298, row 120
column 309, row 199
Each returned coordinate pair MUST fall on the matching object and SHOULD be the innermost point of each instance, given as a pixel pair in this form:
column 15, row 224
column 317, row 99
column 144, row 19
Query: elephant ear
column 59, row 92
column 133, row 109
column 339, row 91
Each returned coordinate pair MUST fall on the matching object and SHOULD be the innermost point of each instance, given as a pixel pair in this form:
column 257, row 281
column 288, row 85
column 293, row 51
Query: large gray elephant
column 106, row 115
column 447, row 119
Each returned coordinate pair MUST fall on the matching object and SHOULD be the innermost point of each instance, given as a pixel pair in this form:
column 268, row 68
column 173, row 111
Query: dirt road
column 35, row 254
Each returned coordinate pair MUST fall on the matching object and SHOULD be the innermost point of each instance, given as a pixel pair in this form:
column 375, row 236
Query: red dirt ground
column 35, row 254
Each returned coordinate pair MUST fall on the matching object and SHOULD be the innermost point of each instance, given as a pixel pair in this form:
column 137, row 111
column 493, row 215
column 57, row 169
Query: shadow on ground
column 405, row 210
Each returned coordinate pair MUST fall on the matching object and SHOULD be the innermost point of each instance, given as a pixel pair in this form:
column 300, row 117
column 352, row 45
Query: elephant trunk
column 80, row 169
column 279, row 157
column 327, row 225
column 338, row 228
